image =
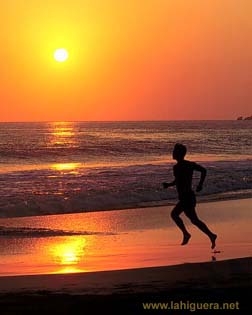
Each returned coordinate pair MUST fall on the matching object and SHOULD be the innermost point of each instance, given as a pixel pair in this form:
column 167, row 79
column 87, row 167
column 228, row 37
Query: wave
column 49, row 191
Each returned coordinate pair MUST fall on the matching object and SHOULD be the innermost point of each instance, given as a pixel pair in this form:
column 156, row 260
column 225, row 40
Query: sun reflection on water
column 62, row 133
column 66, row 166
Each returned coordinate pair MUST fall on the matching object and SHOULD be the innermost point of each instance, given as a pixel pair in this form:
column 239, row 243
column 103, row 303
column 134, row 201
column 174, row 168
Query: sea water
column 64, row 167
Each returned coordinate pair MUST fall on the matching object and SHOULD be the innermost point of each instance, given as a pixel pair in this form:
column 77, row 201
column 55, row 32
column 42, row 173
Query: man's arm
column 173, row 183
column 203, row 172
column 167, row 185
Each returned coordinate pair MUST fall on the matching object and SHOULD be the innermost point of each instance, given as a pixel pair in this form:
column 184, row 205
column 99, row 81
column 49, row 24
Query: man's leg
column 192, row 215
column 175, row 216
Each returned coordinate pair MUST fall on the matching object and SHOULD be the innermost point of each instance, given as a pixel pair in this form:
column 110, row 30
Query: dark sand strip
column 124, row 291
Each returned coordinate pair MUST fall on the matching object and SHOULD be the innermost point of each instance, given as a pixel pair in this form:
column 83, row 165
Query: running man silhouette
column 183, row 173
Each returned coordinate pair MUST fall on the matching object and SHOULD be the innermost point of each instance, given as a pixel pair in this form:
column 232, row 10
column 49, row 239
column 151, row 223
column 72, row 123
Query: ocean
column 69, row 167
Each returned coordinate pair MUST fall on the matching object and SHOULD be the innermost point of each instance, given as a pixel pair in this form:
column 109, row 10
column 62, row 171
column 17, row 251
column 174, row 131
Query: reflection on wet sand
column 68, row 255
column 116, row 240
column 71, row 269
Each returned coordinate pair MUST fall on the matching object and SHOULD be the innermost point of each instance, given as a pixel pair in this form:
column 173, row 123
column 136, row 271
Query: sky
column 128, row 60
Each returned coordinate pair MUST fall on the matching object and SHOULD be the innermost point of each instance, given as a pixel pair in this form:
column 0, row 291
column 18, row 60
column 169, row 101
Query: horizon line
column 131, row 120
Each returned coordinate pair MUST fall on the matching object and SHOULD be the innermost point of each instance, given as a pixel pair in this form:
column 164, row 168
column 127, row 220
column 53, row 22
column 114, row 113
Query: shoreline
column 225, row 196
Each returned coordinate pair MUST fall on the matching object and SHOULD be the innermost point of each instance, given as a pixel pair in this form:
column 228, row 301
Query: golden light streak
column 65, row 166
column 69, row 253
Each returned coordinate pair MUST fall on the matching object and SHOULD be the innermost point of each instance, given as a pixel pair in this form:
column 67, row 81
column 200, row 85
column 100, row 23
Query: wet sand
column 126, row 239
column 119, row 259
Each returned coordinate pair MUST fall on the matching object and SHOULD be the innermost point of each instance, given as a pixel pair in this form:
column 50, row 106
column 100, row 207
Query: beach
column 123, row 258
column 127, row 291
column 134, row 281
column 85, row 224
column 121, row 239
column 125, row 157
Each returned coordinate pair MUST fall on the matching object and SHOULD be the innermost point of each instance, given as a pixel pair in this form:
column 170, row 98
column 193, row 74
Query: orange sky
column 128, row 60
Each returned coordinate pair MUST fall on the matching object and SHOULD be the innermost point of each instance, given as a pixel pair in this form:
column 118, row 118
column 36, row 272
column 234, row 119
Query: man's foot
column 186, row 238
column 213, row 239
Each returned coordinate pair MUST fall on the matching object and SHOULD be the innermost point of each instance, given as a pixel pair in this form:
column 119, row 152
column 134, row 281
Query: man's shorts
column 188, row 200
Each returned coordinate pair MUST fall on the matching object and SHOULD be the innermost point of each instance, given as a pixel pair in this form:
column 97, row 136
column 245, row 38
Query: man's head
column 179, row 152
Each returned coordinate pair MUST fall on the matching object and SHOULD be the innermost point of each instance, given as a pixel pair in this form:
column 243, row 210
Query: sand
column 124, row 291
column 127, row 239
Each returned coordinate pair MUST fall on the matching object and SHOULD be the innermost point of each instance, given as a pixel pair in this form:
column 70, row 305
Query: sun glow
column 66, row 166
column 61, row 55
column 69, row 253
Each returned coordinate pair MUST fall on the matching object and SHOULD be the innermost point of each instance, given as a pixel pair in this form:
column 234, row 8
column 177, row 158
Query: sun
column 61, row 55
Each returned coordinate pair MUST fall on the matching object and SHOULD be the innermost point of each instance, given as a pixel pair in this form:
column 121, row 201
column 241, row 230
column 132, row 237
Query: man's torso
column 183, row 172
